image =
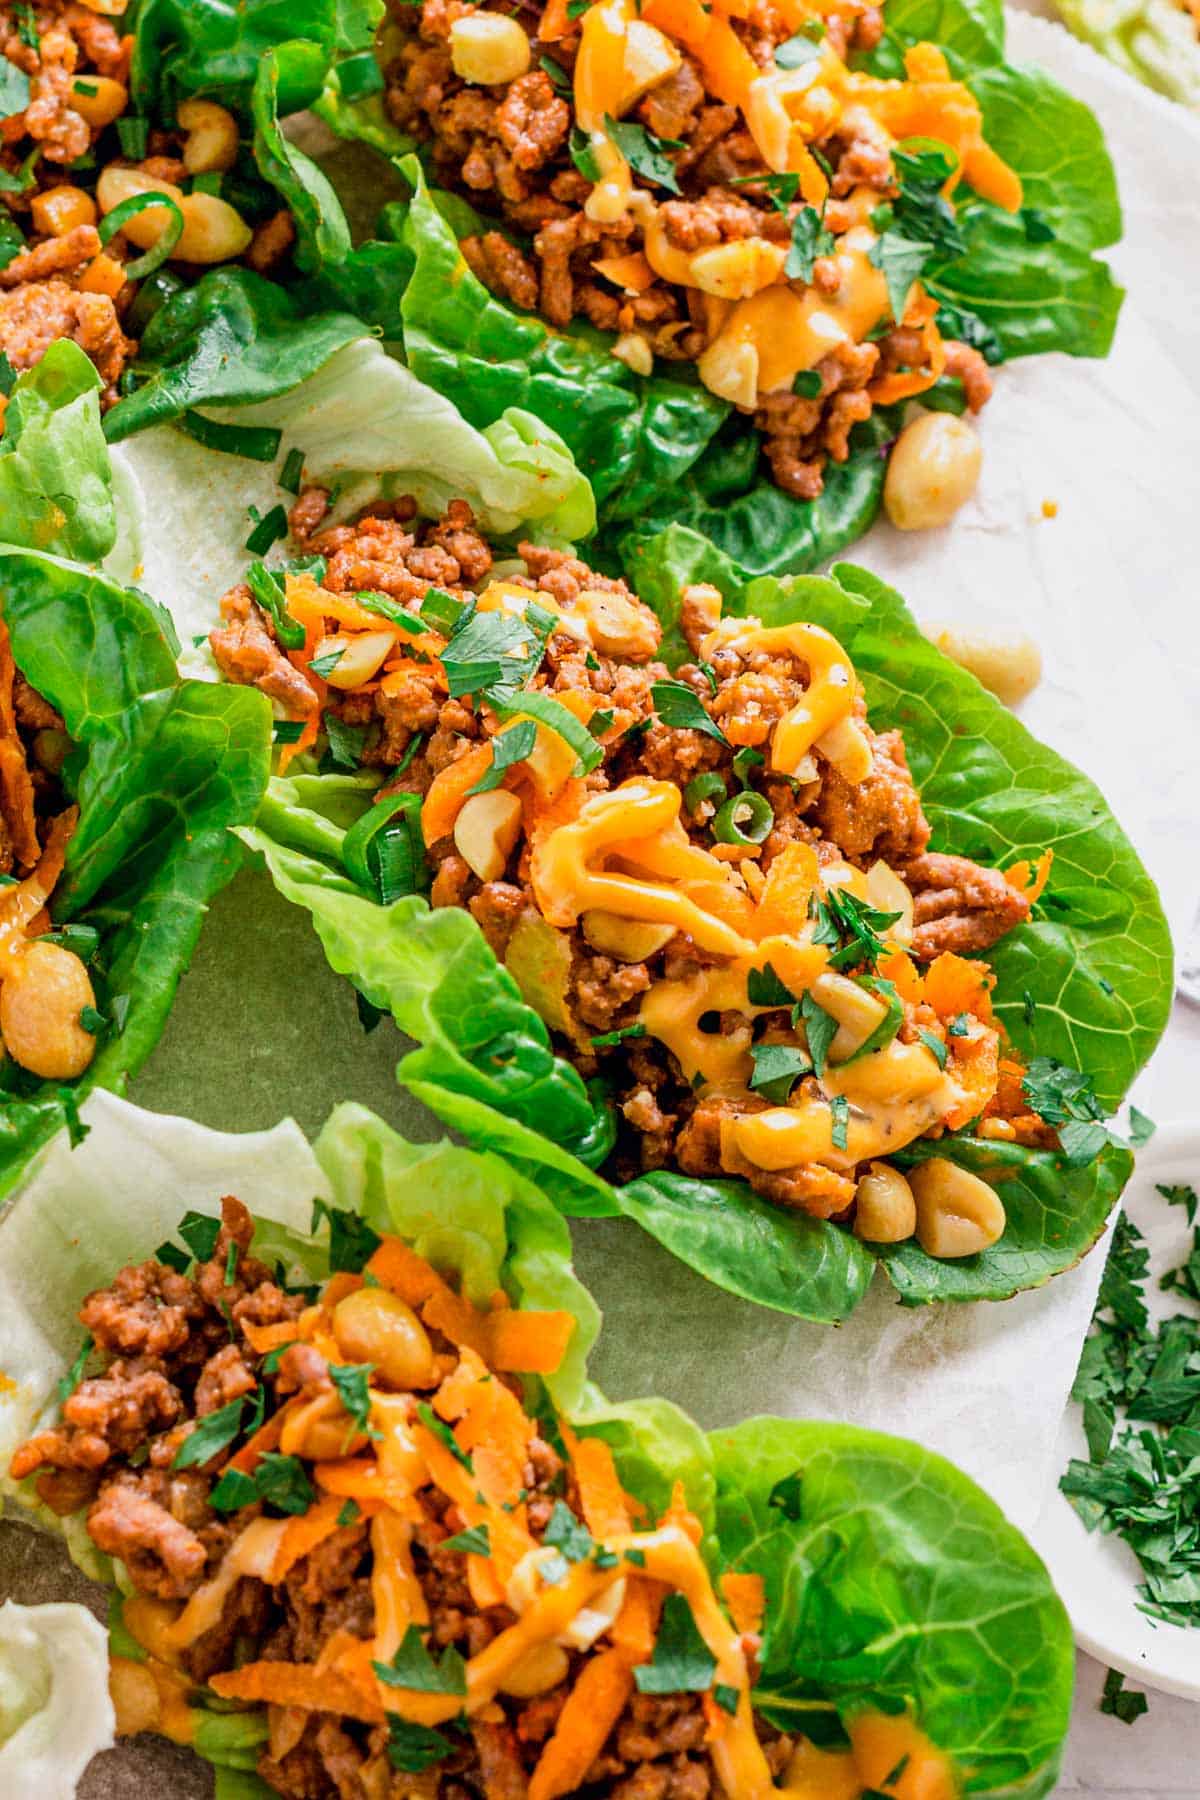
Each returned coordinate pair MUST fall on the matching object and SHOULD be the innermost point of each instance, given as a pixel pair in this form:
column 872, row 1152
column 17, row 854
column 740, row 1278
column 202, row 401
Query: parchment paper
column 1108, row 587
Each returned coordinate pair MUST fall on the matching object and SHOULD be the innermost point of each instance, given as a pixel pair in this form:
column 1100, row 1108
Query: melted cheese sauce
column 792, row 331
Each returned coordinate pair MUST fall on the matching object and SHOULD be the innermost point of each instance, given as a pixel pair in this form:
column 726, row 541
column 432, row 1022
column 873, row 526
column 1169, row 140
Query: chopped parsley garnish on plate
column 1120, row 1702
column 1139, row 1387
column 1064, row 1098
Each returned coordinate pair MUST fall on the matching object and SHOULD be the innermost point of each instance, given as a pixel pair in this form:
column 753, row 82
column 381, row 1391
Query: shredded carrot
column 903, row 973
column 262, row 1338
column 265, row 1438
column 728, row 67
column 296, row 1684
column 636, row 1625
column 303, row 1534
column 360, row 1478
column 555, row 22
column 746, row 1599
column 448, row 790
column 1030, row 878
column 593, row 1707
column 603, row 1500
column 455, row 1318
column 527, row 1343
column 679, row 1513
column 954, row 985
column 736, row 852
column 791, row 879
column 311, row 606
column 394, row 1265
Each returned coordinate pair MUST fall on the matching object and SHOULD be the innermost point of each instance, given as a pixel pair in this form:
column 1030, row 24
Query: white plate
column 1098, row 1575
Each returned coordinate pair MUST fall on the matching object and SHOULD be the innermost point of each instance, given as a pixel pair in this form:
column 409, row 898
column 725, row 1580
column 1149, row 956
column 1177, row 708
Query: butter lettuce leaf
column 215, row 47
column 893, row 1582
column 162, row 770
column 56, row 487
column 1095, row 961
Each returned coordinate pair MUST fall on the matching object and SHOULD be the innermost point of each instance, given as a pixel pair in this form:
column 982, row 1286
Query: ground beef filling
column 416, row 731
column 508, row 149
column 178, row 1350
column 57, row 284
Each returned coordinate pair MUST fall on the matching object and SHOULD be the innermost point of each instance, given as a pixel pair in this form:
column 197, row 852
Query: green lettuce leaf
column 1152, row 40
column 893, row 1581
column 214, row 48
column 322, row 234
column 163, row 768
column 56, row 490
column 468, row 1214
column 232, row 339
column 971, row 32
column 1094, row 962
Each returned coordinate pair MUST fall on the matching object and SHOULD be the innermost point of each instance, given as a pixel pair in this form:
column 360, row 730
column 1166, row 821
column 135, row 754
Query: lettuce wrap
column 891, row 1587
column 159, row 768
column 1085, row 982
column 659, row 446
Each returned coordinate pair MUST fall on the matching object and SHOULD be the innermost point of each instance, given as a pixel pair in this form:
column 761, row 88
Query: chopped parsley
column 287, row 731
column 199, row 1232
column 935, row 1045
column 568, row 1535
column 267, row 587
column 683, row 710
column 212, row 1434
column 764, row 988
column 352, row 1243
column 788, row 1495
column 810, row 239
column 412, row 1748
column 780, row 189
column 850, row 927
column 280, row 1481
column 839, row 1107
column 475, row 1541
column 352, row 1382
column 808, row 384
column 682, row 1661
column 91, row 1021
column 488, row 649
column 798, row 50
column 560, row 81
column 325, row 665
column 820, row 1029
column 413, row 1667
column 777, row 1069
column 1064, row 1098
column 346, row 742
column 349, row 1514
column 645, row 153
column 726, row 1697
column 1141, row 1127
column 1139, row 1387
column 1120, row 1702
column 443, row 1434
column 959, row 1026
column 508, row 747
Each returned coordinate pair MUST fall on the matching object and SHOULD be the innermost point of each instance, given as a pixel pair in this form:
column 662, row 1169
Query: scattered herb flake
column 777, row 1069
column 74, row 1375
column 443, row 1434
column 1141, row 1127
column 645, row 153
column 211, row 1434
column 412, row 1748
column 510, row 746
column 682, row 1662
column 839, row 1107
column 678, row 706
column 352, row 1243
column 935, row 1045
column 199, row 1232
column 475, row 1541
column 413, row 1667
column 568, row 1534
column 1120, row 1702
column 352, row 1381
column 820, row 1029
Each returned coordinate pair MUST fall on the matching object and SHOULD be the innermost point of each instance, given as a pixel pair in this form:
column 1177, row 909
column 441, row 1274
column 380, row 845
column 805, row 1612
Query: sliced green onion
column 269, row 593
column 709, row 786
column 134, row 137
column 293, row 469
column 257, row 443
column 555, row 716
column 158, row 253
column 154, row 292
column 267, row 531
column 384, row 851
column 745, row 819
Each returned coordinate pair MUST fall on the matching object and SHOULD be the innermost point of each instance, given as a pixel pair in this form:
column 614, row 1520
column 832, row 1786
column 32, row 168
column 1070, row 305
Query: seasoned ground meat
column 878, row 817
column 509, row 148
column 960, row 907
